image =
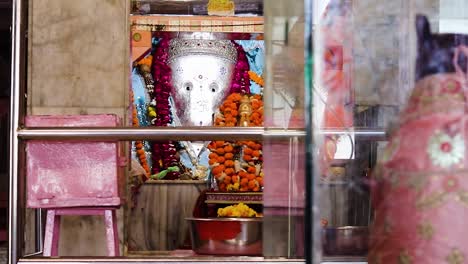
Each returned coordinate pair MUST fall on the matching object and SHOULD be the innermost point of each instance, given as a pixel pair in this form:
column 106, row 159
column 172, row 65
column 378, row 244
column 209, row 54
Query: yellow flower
column 239, row 210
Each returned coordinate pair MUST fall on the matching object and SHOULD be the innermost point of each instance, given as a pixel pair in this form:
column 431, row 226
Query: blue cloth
column 140, row 98
column 141, row 102
column 255, row 52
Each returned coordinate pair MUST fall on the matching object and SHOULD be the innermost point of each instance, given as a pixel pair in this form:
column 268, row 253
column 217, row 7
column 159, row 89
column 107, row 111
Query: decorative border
column 198, row 24
column 175, row 182
column 229, row 198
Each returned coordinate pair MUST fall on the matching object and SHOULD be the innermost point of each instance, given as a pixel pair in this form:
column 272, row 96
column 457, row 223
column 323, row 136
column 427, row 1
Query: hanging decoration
column 238, row 166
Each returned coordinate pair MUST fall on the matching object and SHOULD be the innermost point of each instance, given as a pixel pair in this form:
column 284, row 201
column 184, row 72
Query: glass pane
column 284, row 193
column 181, row 198
column 388, row 128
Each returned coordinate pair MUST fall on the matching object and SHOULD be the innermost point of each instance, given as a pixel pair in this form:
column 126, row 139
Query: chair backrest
column 72, row 173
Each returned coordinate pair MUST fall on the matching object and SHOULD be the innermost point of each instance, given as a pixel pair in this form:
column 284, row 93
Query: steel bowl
column 226, row 236
column 346, row 240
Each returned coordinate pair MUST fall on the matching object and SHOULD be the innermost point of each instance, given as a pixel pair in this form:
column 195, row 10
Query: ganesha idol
column 190, row 79
column 202, row 72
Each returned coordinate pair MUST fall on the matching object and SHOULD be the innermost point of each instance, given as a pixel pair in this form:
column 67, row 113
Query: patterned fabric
column 421, row 194
column 421, row 186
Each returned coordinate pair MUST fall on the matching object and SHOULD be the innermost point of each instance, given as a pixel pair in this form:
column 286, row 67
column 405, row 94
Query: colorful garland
column 164, row 153
column 256, row 78
column 238, row 166
column 140, row 151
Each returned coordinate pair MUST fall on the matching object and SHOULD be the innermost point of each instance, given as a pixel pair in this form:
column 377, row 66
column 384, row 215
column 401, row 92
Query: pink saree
column 421, row 191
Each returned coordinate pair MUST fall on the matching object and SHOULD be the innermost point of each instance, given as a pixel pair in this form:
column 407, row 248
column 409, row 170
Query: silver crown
column 220, row 48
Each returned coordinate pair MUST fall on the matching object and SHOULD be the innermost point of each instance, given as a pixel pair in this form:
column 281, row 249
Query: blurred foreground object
column 421, row 190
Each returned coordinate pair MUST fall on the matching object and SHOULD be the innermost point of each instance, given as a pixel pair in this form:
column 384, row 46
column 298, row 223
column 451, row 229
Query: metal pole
column 163, row 133
column 17, row 81
column 309, row 225
column 182, row 133
column 39, row 231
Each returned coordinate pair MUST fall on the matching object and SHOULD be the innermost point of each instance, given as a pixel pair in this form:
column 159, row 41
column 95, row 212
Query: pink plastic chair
column 74, row 178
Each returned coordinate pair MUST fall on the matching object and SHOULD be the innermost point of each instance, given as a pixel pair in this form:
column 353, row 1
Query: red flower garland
column 164, row 153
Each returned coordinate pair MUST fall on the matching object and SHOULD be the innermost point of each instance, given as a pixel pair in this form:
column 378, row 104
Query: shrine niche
column 193, row 79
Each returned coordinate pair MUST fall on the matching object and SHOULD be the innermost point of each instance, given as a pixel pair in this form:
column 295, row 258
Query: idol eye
column 188, row 86
column 214, row 87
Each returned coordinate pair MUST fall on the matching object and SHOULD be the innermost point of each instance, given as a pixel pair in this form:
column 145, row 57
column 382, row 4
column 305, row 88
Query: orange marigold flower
column 220, row 151
column 244, row 182
column 252, row 184
column 251, row 144
column 255, row 116
column 248, row 151
column 228, row 149
column 227, row 179
column 229, row 163
column 218, row 169
column 234, row 178
column 251, row 169
column 222, row 187
column 220, row 159
column 256, row 153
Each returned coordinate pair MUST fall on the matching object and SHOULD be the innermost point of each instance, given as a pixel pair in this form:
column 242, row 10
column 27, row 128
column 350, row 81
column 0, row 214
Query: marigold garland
column 256, row 78
column 140, row 151
column 238, row 166
column 148, row 61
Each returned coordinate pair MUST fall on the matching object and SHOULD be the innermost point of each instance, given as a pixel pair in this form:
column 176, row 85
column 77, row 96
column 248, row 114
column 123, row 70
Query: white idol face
column 200, row 83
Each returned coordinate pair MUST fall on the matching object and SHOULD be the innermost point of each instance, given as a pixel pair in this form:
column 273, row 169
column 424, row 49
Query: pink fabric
column 70, row 174
column 421, row 191
column 285, row 173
